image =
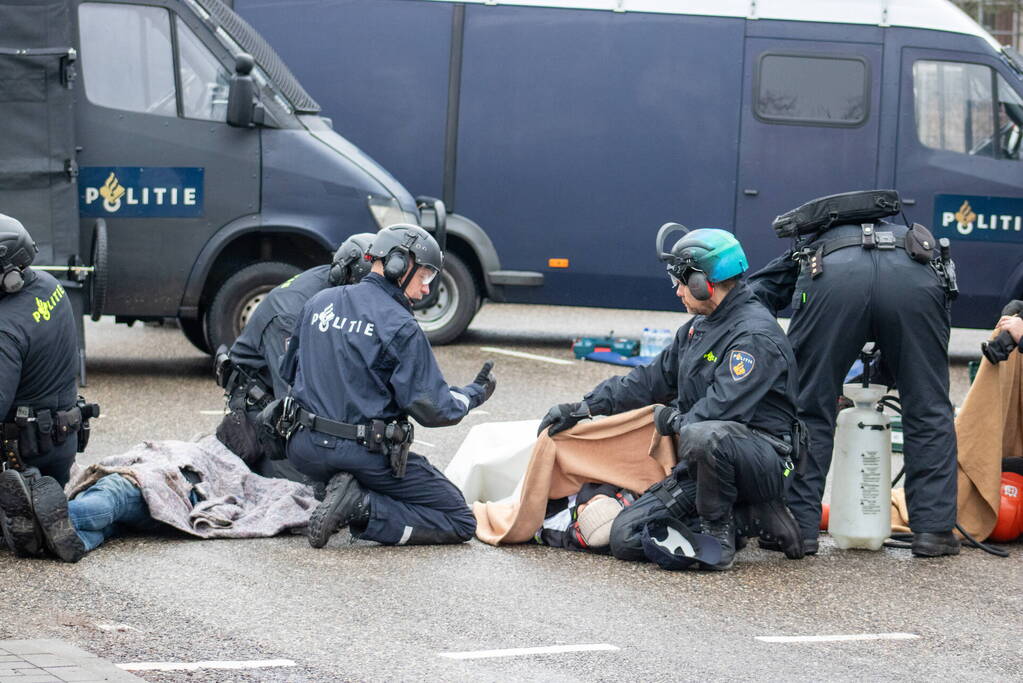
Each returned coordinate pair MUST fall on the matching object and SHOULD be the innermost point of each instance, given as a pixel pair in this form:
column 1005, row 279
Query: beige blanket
column 624, row 450
column 989, row 427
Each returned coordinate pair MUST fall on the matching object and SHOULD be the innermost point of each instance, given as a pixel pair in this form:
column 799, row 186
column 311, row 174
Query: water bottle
column 645, row 342
column 861, row 471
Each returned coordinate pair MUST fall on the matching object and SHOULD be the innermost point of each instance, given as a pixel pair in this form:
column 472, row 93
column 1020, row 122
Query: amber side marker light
column 557, row 263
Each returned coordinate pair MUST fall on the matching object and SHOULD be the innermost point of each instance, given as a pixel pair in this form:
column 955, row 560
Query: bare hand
column 1013, row 325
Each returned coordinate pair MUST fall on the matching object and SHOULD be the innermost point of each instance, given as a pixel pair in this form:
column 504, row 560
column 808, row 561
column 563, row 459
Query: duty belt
column 390, row 438
column 35, row 432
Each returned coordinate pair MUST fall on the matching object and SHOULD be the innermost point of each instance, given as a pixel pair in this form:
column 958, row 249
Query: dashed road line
column 837, row 638
column 195, row 666
column 212, row 412
column 528, row 356
column 525, row 651
column 425, row 443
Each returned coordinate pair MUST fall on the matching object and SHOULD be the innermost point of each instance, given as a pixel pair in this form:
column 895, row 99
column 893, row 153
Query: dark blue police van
column 571, row 129
column 169, row 164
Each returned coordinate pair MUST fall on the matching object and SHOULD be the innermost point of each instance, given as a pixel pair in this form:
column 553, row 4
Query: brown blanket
column 989, row 427
column 624, row 450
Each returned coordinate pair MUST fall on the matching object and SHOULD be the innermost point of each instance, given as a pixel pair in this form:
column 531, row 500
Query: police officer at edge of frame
column 250, row 372
column 861, row 281
column 45, row 422
column 728, row 382
column 360, row 365
column 38, row 362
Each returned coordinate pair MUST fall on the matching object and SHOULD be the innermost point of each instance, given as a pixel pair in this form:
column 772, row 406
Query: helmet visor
column 429, row 273
column 681, row 274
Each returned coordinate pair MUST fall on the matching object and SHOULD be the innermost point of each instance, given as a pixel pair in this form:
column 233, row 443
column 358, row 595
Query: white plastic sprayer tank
column 861, row 471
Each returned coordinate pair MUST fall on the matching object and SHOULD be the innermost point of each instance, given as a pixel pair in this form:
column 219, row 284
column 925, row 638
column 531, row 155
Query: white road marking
column 524, row 651
column 195, row 666
column 831, row 639
column 478, row 411
column 424, row 443
column 529, row 356
column 212, row 412
column 114, row 627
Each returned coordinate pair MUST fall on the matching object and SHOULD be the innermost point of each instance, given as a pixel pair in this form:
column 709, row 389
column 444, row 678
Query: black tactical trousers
column 886, row 297
column 57, row 461
column 721, row 465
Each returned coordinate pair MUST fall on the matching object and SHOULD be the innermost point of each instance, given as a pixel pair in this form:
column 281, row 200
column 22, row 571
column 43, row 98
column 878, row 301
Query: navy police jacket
column 358, row 354
column 38, row 347
column 260, row 346
column 735, row 364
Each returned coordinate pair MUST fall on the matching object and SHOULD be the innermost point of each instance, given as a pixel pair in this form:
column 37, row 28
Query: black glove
column 485, row 379
column 1014, row 307
column 667, row 421
column 563, row 416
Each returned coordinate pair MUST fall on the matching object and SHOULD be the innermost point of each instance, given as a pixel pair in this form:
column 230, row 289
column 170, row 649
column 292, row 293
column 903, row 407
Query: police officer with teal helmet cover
column 726, row 389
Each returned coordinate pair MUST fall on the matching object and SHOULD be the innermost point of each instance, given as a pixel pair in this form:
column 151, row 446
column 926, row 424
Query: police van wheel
column 238, row 297
column 456, row 303
column 194, row 332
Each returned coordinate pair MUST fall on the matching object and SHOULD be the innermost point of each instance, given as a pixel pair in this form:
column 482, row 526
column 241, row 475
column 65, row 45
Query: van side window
column 1010, row 120
column 204, row 80
column 812, row 89
column 127, row 62
column 954, row 104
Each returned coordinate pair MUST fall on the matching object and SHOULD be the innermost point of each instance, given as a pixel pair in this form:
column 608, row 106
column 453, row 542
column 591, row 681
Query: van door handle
column 751, row 193
column 909, row 202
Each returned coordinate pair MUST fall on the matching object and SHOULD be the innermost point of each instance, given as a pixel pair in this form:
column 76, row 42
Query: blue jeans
column 107, row 508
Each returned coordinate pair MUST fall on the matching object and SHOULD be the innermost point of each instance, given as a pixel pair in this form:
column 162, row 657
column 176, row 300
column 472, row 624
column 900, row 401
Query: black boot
column 50, row 506
column 20, row 530
column 723, row 531
column 344, row 504
column 774, row 525
column 926, row 544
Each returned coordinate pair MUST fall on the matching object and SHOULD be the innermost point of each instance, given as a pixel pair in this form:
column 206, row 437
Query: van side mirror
column 243, row 108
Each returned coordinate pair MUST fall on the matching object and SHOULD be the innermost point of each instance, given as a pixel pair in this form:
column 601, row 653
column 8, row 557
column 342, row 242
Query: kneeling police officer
column 360, row 366
column 250, row 371
column 728, row 384
column 44, row 422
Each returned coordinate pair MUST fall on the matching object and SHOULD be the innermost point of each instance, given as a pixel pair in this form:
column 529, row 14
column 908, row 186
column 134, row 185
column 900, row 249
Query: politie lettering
column 326, row 319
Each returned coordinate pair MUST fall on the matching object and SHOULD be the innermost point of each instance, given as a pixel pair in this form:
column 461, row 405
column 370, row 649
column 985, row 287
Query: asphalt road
column 361, row 612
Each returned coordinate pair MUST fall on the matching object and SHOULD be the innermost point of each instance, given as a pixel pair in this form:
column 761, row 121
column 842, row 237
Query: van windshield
column 238, row 36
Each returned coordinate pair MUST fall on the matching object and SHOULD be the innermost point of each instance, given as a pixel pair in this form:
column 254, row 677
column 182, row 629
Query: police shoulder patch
column 740, row 364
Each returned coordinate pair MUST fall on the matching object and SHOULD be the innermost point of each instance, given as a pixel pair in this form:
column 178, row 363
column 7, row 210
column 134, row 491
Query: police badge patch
column 740, row 364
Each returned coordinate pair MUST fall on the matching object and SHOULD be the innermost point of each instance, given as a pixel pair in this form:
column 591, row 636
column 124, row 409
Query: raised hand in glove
column 667, row 420
column 563, row 416
column 486, row 380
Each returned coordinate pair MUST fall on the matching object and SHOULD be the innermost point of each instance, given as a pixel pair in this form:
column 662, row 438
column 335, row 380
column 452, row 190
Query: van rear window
column 812, row 89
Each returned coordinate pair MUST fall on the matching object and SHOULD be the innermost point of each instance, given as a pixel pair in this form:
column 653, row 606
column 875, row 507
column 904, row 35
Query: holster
column 399, row 438
column 222, row 367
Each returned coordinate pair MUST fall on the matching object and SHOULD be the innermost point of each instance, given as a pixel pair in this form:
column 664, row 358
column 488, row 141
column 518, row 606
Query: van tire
column 98, row 279
column 193, row 330
column 457, row 303
column 238, row 297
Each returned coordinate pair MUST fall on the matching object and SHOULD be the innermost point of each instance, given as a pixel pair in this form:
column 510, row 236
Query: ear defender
column 699, row 287
column 12, row 281
column 395, row 265
column 336, row 275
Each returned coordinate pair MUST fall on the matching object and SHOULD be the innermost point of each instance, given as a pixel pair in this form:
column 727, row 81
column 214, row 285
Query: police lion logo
column 324, row 317
column 740, row 364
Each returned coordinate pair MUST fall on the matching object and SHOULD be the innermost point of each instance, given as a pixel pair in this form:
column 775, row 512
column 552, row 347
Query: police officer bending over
column 360, row 366
column 45, row 422
column 250, row 371
column 854, row 281
column 728, row 385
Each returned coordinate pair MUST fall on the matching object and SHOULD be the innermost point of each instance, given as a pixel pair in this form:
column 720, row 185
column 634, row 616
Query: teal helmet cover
column 714, row 252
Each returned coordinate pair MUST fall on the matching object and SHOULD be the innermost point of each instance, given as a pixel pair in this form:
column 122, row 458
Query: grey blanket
column 234, row 502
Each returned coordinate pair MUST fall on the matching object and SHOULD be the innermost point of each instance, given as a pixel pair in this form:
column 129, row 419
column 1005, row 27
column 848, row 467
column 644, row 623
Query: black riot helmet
column 350, row 263
column 17, row 251
column 397, row 243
